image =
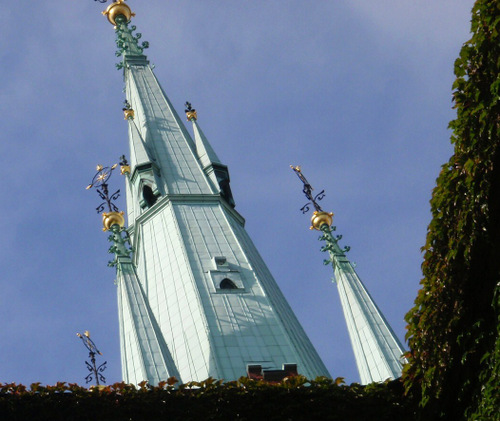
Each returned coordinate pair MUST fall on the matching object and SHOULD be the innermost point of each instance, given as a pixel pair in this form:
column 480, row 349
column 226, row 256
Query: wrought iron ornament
column 100, row 182
column 308, row 192
column 123, row 161
column 95, row 371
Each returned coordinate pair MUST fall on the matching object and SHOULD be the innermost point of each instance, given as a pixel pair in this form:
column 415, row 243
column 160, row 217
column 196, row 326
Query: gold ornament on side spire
column 112, row 218
column 320, row 218
column 118, row 8
column 190, row 112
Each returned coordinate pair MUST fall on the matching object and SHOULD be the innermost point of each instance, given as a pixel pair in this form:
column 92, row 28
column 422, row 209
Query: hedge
column 295, row 398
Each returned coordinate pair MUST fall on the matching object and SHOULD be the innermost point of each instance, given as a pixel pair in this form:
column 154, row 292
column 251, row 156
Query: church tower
column 195, row 298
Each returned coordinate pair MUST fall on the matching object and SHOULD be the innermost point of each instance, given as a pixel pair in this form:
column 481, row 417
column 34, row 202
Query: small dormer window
column 226, row 277
column 148, row 196
column 220, row 263
column 226, row 283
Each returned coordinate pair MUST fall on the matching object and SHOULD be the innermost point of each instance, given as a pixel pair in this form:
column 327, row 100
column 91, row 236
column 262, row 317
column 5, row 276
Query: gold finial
column 191, row 115
column 129, row 114
column 320, row 218
column 116, row 9
column 124, row 165
column 128, row 111
column 112, row 218
column 190, row 112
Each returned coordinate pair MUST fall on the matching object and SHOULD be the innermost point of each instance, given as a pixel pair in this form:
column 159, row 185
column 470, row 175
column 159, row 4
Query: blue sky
column 357, row 93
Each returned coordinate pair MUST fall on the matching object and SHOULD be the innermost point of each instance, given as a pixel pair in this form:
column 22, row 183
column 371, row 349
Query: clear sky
column 357, row 93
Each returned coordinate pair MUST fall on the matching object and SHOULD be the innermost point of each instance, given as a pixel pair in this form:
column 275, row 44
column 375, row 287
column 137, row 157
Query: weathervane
column 308, row 191
column 95, row 370
column 100, row 182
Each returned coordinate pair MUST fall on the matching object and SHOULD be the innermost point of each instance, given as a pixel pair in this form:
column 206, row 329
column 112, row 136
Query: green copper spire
column 212, row 165
column 148, row 353
column 377, row 350
column 195, row 298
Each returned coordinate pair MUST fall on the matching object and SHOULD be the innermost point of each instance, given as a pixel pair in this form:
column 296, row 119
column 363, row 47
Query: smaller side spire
column 144, row 344
column 212, row 166
column 377, row 350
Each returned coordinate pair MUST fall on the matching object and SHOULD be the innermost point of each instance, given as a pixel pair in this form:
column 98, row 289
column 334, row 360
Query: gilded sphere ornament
column 116, row 9
column 320, row 218
column 112, row 218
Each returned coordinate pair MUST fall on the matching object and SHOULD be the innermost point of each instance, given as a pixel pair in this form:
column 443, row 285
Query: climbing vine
column 453, row 329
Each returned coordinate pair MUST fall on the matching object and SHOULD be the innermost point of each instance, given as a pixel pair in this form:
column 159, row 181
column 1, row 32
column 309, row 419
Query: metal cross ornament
column 308, row 192
column 100, row 182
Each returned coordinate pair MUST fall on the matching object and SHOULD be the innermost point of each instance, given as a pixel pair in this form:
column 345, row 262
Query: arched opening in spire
column 148, row 196
column 226, row 283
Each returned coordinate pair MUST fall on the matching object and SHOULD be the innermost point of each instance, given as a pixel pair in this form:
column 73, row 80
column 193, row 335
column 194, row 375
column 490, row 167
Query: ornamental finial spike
column 124, row 166
column 313, row 200
column 100, row 183
column 116, row 9
column 128, row 112
column 190, row 112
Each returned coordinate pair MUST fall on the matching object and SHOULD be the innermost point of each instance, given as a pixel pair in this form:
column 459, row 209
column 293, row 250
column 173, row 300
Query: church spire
column 195, row 298
column 377, row 350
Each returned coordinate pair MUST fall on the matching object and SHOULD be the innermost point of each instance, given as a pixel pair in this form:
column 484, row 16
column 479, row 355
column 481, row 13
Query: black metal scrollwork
column 313, row 200
column 95, row 370
column 100, row 183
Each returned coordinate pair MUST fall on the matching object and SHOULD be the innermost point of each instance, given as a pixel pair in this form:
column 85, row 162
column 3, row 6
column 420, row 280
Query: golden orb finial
column 191, row 115
column 128, row 114
column 190, row 112
column 320, row 218
column 116, row 9
column 112, row 218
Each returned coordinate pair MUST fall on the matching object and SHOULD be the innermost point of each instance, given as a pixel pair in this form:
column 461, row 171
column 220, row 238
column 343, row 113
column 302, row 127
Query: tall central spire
column 195, row 297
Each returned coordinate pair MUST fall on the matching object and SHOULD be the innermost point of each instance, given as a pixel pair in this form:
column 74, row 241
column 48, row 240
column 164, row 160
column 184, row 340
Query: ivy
column 295, row 398
column 453, row 329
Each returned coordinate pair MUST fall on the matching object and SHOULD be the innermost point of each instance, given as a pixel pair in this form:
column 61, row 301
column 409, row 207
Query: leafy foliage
column 295, row 398
column 453, row 329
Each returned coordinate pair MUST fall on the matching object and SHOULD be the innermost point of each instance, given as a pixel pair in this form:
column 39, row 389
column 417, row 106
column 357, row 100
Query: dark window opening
column 149, row 196
column 227, row 284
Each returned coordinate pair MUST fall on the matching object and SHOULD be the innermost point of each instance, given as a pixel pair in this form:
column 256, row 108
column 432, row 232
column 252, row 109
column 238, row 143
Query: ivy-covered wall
column 293, row 399
column 454, row 326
